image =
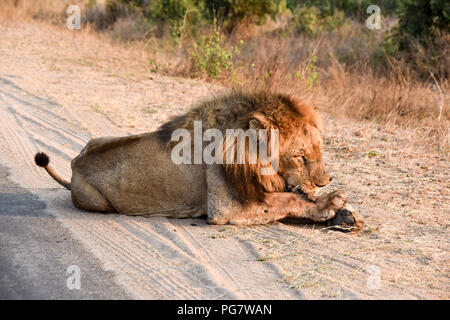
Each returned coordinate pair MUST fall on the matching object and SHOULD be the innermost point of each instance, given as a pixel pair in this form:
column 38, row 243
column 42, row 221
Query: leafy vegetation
column 423, row 18
column 206, row 31
column 421, row 36
column 209, row 55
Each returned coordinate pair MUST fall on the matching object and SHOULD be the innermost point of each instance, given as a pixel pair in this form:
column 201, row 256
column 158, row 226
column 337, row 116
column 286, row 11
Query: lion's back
column 137, row 176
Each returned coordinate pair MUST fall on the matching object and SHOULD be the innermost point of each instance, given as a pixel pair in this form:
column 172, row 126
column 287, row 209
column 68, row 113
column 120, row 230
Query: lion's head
column 301, row 165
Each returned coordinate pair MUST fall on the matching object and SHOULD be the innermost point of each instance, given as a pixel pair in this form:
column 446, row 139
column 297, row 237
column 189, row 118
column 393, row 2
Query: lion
column 135, row 175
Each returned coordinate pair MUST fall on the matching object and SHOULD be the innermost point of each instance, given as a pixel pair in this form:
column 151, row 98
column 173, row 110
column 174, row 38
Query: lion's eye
column 302, row 159
column 299, row 155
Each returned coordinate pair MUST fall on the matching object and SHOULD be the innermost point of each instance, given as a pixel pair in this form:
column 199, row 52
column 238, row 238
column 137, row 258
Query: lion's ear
column 255, row 124
column 259, row 121
column 259, row 126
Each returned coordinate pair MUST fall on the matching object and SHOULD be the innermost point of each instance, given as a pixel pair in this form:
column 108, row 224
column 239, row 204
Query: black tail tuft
column 41, row 159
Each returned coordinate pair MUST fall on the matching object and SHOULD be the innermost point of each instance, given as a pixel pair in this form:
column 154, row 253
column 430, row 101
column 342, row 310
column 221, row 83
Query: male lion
column 135, row 175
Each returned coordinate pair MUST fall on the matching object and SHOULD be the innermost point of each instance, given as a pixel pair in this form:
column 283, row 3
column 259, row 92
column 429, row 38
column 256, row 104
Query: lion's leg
column 278, row 206
column 86, row 197
column 224, row 209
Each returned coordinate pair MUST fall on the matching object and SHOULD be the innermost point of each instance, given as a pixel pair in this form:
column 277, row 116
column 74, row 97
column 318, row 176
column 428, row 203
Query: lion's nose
column 323, row 182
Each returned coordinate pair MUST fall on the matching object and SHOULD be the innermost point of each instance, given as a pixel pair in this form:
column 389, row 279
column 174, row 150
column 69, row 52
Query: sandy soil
column 59, row 88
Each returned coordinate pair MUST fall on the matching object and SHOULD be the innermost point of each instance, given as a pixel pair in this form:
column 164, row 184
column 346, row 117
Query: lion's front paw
column 327, row 206
column 346, row 220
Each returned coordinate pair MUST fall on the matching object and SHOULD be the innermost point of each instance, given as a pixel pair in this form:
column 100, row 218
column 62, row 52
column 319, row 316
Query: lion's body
column 136, row 175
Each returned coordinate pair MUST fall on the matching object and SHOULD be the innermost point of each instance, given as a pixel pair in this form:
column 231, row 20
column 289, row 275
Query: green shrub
column 234, row 11
column 257, row 9
column 210, row 56
column 422, row 19
column 306, row 20
column 351, row 8
column 171, row 15
column 421, row 37
column 383, row 52
column 168, row 11
column 310, row 74
column 311, row 20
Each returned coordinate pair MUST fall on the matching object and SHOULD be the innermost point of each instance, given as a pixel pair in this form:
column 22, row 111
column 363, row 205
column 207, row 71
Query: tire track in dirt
column 19, row 147
column 151, row 257
column 179, row 238
column 289, row 248
column 352, row 282
column 180, row 241
column 205, row 256
column 139, row 259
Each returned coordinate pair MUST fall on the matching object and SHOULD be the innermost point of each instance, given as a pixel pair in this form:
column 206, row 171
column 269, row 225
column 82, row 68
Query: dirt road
column 153, row 258
column 56, row 93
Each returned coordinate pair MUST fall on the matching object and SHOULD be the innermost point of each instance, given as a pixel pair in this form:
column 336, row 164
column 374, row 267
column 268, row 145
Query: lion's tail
column 42, row 160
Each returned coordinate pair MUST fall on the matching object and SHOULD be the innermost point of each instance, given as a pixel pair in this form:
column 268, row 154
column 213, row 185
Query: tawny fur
column 135, row 175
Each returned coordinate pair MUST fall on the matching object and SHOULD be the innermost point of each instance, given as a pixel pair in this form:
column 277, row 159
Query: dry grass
column 402, row 192
column 52, row 11
column 311, row 67
column 364, row 88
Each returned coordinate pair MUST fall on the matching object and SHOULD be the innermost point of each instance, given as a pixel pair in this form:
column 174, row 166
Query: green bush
column 169, row 11
column 421, row 37
column 310, row 74
column 422, row 19
column 311, row 20
column 174, row 15
column 210, row 56
column 351, row 8
column 235, row 10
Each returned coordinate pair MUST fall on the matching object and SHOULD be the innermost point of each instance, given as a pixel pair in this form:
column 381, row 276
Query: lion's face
column 301, row 163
